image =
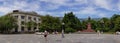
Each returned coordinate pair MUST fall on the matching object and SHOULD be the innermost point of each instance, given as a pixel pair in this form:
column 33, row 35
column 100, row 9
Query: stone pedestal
column 88, row 28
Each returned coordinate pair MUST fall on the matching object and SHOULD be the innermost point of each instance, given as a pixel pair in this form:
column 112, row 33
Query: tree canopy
column 71, row 21
column 50, row 23
column 7, row 23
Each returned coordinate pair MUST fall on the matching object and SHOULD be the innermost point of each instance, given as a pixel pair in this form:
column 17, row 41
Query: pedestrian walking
column 45, row 35
column 98, row 32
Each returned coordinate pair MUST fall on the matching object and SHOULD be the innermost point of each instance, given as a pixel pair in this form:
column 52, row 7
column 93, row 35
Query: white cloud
column 3, row 0
column 102, row 15
column 56, row 14
column 8, row 6
column 79, row 7
column 5, row 9
column 55, row 1
column 118, row 5
column 89, row 10
column 43, row 12
column 81, row 1
column 104, row 4
column 55, row 4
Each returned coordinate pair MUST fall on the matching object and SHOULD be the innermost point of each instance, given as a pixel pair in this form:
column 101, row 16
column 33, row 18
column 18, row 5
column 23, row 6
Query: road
column 69, row 38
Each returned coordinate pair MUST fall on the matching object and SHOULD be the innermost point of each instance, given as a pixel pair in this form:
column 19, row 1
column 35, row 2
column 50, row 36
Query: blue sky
column 81, row 8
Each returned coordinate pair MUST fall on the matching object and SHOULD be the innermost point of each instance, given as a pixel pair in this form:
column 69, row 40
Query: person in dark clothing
column 45, row 35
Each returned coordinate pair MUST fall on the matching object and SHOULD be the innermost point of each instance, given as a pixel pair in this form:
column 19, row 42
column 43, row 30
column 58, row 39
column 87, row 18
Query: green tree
column 71, row 21
column 69, row 30
column 117, row 24
column 50, row 23
column 84, row 24
column 7, row 23
column 31, row 24
column 92, row 22
column 114, row 17
column 103, row 24
column 114, row 22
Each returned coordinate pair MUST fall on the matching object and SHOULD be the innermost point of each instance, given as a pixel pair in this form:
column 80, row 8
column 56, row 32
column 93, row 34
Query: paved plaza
column 69, row 38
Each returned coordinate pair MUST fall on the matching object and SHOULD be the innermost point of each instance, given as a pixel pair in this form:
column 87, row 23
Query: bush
column 41, row 30
column 98, row 29
column 69, row 30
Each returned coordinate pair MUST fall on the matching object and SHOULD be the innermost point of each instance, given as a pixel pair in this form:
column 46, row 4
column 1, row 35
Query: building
column 27, row 21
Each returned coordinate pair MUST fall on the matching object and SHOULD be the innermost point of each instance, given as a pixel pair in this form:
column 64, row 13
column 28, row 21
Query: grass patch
column 109, row 33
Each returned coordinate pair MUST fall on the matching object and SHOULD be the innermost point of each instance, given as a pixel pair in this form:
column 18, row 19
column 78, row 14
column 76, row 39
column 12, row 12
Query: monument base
column 88, row 30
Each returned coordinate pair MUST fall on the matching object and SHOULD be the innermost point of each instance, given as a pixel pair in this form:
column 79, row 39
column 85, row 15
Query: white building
column 23, row 18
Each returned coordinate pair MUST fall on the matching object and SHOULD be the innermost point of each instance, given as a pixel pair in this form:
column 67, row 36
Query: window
column 16, row 16
column 35, row 19
column 22, row 17
column 29, row 18
column 22, row 22
column 39, row 19
column 38, row 23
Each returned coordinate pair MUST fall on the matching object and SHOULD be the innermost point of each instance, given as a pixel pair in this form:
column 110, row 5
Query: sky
column 57, row 8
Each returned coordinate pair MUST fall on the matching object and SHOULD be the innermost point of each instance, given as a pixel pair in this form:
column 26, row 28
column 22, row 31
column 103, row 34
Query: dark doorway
column 16, row 29
column 29, row 28
column 34, row 28
column 22, row 29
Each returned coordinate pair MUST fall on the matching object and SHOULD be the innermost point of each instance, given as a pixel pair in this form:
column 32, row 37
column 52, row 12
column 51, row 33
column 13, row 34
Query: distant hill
column 81, row 19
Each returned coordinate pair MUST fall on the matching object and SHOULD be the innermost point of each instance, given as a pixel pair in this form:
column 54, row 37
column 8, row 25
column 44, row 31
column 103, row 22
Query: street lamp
column 102, row 24
column 63, row 30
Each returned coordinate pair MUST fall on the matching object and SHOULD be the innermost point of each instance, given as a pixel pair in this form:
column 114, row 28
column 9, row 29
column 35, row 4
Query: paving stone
column 69, row 38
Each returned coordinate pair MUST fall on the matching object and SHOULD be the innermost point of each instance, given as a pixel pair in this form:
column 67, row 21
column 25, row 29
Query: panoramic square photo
column 59, row 21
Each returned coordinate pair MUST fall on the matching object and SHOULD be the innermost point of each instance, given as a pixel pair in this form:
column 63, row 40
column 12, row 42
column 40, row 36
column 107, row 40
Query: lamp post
column 63, row 30
column 102, row 24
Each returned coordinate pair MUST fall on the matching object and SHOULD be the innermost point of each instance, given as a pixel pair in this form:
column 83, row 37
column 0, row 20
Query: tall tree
column 50, row 23
column 106, row 24
column 7, row 23
column 114, row 22
column 117, row 24
column 114, row 17
column 71, row 21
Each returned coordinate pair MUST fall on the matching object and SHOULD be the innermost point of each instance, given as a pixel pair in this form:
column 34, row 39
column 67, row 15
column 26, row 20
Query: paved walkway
column 69, row 38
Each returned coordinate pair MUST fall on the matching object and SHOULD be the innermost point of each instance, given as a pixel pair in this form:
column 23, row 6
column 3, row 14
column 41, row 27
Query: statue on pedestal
column 89, row 26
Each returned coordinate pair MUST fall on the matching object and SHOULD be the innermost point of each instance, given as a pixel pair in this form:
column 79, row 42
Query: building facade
column 27, row 21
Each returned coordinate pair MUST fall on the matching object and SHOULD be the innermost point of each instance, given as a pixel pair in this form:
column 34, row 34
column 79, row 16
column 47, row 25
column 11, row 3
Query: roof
column 23, row 12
